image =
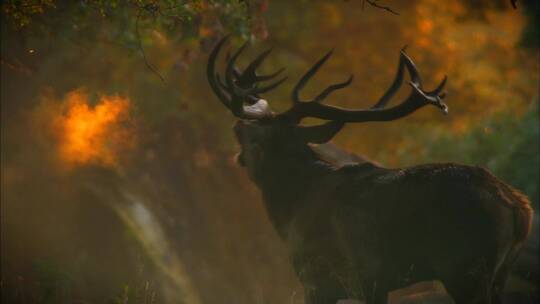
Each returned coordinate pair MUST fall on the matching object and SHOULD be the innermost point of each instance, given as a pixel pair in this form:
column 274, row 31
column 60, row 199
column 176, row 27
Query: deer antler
column 417, row 99
column 240, row 92
column 302, row 82
column 241, row 87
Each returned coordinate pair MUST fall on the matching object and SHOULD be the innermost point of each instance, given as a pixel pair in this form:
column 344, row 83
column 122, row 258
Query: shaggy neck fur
column 286, row 178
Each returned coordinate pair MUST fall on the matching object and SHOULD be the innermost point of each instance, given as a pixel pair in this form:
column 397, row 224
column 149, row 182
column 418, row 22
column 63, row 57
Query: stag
column 361, row 230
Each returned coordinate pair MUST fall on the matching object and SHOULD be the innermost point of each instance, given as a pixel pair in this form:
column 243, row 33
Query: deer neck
column 285, row 181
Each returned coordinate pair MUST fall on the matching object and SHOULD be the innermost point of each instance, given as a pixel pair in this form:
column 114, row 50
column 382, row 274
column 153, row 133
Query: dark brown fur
column 361, row 230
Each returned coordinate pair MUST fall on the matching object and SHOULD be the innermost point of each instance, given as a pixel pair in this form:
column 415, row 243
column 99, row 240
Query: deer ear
column 319, row 134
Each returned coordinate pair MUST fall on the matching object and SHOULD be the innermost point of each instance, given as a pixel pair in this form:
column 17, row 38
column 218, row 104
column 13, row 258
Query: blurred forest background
column 118, row 183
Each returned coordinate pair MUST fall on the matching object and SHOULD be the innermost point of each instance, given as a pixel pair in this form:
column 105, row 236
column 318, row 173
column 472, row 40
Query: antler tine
column 249, row 74
column 269, row 76
column 236, row 71
column 440, row 87
column 332, row 88
column 269, row 87
column 406, row 61
column 229, row 73
column 396, row 84
column 434, row 97
column 302, row 82
column 411, row 67
column 211, row 73
column 325, row 92
column 248, row 79
column 220, row 82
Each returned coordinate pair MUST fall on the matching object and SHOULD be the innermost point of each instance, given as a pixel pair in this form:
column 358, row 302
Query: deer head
column 260, row 131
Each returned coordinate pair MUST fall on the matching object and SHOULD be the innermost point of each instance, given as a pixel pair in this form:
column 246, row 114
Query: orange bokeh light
column 93, row 135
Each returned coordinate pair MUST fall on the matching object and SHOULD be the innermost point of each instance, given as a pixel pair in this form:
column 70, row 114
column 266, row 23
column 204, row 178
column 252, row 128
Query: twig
column 386, row 8
column 148, row 65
